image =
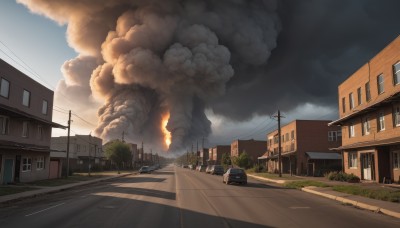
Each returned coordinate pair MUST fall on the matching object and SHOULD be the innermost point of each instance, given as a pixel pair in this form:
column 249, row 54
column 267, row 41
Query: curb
column 267, row 179
column 43, row 191
column 353, row 202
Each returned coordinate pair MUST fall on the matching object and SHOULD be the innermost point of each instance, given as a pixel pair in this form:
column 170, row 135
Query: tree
column 119, row 153
column 243, row 161
column 225, row 160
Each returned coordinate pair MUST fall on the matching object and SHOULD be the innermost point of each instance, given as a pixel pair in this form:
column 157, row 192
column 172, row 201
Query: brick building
column 305, row 148
column 26, row 110
column 254, row 148
column 369, row 114
column 215, row 153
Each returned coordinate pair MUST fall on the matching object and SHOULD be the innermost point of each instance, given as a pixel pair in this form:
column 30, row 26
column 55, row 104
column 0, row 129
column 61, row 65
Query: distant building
column 254, row 148
column 83, row 150
column 215, row 153
column 26, row 110
column 305, row 148
column 369, row 115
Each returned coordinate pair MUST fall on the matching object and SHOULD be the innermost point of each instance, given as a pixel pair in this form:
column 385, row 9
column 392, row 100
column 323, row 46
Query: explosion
column 167, row 134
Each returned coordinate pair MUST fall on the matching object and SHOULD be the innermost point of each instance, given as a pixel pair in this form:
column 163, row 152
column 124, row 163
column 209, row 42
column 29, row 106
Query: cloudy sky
column 219, row 70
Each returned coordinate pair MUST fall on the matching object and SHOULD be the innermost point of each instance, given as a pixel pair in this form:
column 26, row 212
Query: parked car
column 144, row 169
column 201, row 168
column 208, row 169
column 217, row 170
column 235, row 175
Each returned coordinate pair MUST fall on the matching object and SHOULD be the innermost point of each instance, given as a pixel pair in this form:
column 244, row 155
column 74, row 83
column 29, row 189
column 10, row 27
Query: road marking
column 44, row 209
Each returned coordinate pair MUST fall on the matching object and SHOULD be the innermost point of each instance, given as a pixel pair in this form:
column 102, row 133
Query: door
column 366, row 162
column 54, row 168
column 17, row 167
column 8, row 171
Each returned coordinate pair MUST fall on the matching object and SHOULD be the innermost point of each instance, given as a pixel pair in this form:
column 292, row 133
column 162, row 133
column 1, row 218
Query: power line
column 84, row 120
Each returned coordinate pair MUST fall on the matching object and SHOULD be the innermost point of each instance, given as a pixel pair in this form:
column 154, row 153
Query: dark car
column 144, row 169
column 217, row 170
column 235, row 175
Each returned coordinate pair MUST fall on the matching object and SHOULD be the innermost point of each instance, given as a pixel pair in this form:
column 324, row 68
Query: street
column 177, row 197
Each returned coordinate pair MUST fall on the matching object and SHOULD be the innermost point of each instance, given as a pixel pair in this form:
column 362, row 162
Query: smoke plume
column 143, row 59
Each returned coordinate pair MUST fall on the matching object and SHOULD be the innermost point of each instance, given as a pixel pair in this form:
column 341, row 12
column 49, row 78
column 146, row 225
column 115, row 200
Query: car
column 201, row 168
column 208, row 169
column 217, row 170
column 144, row 169
column 235, row 175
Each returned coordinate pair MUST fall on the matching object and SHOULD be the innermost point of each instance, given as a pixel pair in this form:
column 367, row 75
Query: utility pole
column 69, row 128
column 90, row 147
column 142, row 154
column 279, row 144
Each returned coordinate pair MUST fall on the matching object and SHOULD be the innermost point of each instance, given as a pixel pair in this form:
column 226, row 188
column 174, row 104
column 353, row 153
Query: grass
column 8, row 190
column 302, row 184
column 373, row 193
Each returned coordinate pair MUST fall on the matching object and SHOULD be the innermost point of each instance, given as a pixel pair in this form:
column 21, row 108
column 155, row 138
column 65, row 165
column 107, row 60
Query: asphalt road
column 177, row 197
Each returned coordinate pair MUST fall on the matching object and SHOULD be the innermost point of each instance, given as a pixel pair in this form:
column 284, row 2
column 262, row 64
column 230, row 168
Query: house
column 305, row 148
column 254, row 148
column 26, row 110
column 84, row 151
column 216, row 152
column 369, row 115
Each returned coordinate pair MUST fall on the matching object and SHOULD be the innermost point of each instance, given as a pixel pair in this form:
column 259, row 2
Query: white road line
column 44, row 209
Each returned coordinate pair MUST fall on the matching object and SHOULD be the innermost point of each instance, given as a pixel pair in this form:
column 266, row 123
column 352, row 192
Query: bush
column 258, row 168
column 344, row 177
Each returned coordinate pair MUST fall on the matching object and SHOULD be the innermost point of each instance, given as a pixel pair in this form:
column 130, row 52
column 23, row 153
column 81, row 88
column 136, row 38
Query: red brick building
column 215, row 153
column 254, row 148
column 369, row 112
column 305, row 148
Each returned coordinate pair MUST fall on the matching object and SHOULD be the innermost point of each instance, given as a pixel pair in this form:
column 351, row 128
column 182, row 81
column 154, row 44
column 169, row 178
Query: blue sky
column 39, row 42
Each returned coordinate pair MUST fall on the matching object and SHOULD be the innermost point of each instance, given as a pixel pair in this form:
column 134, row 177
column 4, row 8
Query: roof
column 382, row 142
column 22, row 146
column 276, row 155
column 372, row 106
column 27, row 115
column 324, row 155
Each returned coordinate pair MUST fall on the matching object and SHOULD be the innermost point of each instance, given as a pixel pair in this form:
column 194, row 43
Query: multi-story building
column 203, row 156
column 305, row 148
column 26, row 109
column 254, row 148
column 369, row 114
column 215, row 153
column 84, row 151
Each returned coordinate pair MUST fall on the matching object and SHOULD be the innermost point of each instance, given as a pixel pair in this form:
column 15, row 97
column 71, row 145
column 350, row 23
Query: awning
column 285, row 154
column 324, row 156
column 384, row 142
column 371, row 106
column 22, row 146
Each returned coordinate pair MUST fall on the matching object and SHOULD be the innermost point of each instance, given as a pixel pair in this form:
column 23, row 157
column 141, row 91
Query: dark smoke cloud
column 159, row 57
column 145, row 58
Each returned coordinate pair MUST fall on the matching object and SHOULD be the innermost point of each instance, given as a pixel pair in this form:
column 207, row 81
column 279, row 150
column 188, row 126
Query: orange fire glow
column 167, row 134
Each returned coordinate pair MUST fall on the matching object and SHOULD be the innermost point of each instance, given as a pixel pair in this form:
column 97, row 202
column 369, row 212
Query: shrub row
column 340, row 176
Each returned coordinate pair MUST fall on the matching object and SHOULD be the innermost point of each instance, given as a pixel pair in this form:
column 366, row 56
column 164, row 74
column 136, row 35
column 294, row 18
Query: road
column 177, row 197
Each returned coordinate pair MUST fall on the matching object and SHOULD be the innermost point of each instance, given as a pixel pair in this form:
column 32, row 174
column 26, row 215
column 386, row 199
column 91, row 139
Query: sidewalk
column 384, row 207
column 46, row 190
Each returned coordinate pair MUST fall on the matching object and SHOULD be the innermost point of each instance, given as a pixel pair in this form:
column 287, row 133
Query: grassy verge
column 275, row 176
column 379, row 194
column 302, row 184
column 8, row 190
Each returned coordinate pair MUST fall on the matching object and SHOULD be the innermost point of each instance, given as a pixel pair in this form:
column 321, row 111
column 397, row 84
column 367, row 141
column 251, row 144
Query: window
column 40, row 132
column 351, row 130
column 26, row 164
column 332, row 136
column 351, row 101
column 4, row 88
column 339, row 134
column 359, row 96
column 344, row 104
column 353, row 160
column 381, row 121
column 380, row 81
column 4, row 125
column 44, row 107
column 287, row 136
column 25, row 129
column 40, row 163
column 292, row 134
column 365, row 126
column 396, row 115
column 367, row 92
column 26, row 98
column 396, row 159
column 396, row 73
